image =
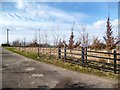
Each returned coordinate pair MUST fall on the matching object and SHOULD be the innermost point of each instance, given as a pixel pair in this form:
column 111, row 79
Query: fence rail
column 82, row 58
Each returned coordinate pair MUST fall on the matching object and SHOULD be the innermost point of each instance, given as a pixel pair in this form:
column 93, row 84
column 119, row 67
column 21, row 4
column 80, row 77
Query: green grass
column 118, row 47
column 60, row 63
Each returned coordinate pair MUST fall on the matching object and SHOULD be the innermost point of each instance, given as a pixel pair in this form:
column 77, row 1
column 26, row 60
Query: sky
column 25, row 19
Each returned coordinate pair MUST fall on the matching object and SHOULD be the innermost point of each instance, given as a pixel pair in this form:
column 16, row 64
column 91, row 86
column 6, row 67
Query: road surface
column 21, row 72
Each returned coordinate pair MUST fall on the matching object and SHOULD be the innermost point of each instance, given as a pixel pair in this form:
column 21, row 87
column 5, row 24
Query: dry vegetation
column 54, row 51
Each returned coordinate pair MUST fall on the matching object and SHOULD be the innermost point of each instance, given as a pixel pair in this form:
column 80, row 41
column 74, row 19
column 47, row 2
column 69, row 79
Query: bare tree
column 56, row 36
column 45, row 40
column 16, row 43
column 97, row 44
column 84, row 35
column 34, row 42
column 23, row 43
column 62, row 42
column 71, row 44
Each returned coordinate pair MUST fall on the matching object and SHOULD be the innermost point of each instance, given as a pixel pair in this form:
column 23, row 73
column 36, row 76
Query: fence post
column 115, row 57
column 65, row 54
column 59, row 52
column 50, row 51
column 86, row 54
column 38, row 51
column 83, row 56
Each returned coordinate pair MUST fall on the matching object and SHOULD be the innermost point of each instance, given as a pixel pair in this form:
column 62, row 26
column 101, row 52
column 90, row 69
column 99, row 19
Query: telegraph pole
column 7, row 37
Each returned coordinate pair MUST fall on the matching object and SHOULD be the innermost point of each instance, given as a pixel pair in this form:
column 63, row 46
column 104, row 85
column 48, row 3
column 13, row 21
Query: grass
column 60, row 63
column 118, row 47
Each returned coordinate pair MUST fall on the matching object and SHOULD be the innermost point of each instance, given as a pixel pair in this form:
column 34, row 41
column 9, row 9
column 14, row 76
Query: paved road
column 21, row 72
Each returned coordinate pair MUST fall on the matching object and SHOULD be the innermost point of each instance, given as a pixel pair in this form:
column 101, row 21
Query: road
column 21, row 72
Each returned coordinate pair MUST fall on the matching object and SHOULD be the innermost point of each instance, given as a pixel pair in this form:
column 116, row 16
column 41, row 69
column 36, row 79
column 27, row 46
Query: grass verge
column 60, row 63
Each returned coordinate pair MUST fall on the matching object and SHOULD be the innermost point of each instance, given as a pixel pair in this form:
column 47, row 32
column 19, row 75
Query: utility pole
column 7, row 37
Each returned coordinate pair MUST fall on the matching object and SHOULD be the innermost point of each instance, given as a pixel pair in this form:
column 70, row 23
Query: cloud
column 32, row 16
column 115, row 27
column 98, row 28
column 98, row 24
column 62, row 16
column 46, row 12
column 19, row 28
column 20, row 4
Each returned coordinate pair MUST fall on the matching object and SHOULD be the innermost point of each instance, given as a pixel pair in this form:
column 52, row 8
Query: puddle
column 29, row 60
column 6, row 64
column 32, row 82
column 2, row 69
column 30, row 69
column 26, row 59
column 64, row 69
column 37, row 75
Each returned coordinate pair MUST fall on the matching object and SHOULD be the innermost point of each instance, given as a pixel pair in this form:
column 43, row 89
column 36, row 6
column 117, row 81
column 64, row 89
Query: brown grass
column 54, row 51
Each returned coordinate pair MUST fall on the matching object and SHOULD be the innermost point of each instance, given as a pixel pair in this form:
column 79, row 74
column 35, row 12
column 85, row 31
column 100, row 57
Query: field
column 54, row 52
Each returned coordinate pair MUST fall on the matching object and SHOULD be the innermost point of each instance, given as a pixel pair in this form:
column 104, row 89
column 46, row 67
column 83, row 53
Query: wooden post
column 115, row 57
column 86, row 54
column 38, row 51
column 83, row 56
column 24, row 45
column 59, row 52
column 65, row 54
column 50, row 51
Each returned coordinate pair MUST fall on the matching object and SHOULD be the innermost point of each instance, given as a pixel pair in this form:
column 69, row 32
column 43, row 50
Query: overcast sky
column 24, row 19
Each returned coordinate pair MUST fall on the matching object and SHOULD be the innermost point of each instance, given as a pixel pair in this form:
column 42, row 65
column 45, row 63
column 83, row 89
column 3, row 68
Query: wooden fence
column 81, row 57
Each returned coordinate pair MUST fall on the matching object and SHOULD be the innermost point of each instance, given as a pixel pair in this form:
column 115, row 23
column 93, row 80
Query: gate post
column 83, row 56
column 59, row 52
column 115, row 57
